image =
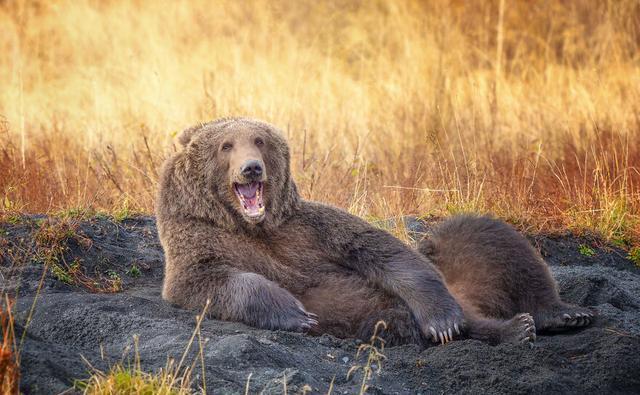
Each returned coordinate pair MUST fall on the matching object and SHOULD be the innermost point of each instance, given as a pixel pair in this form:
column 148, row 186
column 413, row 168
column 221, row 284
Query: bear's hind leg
column 563, row 316
column 520, row 329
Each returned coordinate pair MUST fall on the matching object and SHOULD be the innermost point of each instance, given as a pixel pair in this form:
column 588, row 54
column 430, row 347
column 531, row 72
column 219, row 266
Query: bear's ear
column 187, row 134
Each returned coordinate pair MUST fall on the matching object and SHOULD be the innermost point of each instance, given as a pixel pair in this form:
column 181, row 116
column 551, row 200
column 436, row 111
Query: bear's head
column 234, row 171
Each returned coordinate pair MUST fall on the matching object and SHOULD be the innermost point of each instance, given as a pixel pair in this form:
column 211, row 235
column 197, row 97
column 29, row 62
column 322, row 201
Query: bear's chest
column 299, row 252
column 303, row 256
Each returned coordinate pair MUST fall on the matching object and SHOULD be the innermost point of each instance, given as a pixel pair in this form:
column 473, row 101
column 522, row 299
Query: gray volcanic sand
column 69, row 322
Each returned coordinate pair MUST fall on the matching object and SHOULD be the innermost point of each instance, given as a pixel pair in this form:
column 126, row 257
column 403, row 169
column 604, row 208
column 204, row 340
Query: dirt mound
column 70, row 322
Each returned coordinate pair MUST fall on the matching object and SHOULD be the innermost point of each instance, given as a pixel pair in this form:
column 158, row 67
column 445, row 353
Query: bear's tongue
column 250, row 198
column 248, row 190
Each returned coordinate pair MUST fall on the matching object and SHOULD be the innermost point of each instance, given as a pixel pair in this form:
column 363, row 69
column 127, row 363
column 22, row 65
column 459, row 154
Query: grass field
column 528, row 109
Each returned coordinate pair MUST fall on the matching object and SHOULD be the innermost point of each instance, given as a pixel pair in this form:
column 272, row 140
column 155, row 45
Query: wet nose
column 251, row 169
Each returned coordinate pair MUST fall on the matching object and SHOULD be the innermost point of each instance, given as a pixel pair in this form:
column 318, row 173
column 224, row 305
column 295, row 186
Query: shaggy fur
column 498, row 278
column 302, row 266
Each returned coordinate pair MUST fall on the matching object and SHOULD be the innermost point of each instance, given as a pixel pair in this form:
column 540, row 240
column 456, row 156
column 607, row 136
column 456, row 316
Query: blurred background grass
column 528, row 109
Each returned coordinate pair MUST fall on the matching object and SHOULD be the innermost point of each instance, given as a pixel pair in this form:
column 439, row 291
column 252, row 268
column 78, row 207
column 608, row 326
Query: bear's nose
column 251, row 169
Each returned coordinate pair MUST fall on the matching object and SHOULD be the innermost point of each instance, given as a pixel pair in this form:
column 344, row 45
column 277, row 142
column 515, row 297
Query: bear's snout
column 252, row 170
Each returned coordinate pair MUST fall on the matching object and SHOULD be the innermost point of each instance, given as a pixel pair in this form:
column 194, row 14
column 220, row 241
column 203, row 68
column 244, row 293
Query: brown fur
column 305, row 266
column 495, row 274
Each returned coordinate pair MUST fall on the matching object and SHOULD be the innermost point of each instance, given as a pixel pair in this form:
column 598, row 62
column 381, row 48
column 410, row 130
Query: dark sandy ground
column 70, row 322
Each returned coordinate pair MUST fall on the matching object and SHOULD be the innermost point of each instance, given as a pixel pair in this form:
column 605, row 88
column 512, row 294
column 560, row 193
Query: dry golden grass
column 527, row 109
column 9, row 362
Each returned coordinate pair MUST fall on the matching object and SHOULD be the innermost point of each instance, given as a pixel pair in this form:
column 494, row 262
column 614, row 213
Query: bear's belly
column 343, row 302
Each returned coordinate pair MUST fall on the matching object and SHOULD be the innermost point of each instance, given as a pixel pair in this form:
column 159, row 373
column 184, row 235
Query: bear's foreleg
column 386, row 262
column 238, row 296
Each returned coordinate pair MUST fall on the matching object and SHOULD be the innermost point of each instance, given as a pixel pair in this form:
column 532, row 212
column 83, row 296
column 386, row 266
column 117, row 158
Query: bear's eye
column 227, row 146
column 259, row 142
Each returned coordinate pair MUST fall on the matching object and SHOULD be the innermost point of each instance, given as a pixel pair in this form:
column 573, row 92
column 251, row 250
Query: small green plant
column 67, row 273
column 61, row 274
column 75, row 213
column 127, row 380
column 113, row 278
column 586, row 250
column 123, row 212
column 101, row 215
column 113, row 274
column 14, row 219
column 134, row 271
column 634, row 255
column 621, row 241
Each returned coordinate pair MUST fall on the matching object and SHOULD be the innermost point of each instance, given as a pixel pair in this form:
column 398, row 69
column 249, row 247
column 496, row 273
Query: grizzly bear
column 235, row 231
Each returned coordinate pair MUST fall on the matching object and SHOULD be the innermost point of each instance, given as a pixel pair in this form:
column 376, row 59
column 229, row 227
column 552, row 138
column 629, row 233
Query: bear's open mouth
column 250, row 196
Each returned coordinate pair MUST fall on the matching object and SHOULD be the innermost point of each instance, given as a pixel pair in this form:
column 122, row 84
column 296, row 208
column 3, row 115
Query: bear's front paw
column 299, row 320
column 442, row 324
column 276, row 308
column 264, row 304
